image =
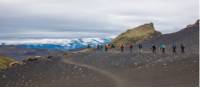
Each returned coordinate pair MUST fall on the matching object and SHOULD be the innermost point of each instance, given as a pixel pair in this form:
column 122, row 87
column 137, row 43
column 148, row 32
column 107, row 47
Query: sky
column 91, row 18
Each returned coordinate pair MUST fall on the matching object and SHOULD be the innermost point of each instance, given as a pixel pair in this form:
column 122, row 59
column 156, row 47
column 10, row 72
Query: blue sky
column 91, row 18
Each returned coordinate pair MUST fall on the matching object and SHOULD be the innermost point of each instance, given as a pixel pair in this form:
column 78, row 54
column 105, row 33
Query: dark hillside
column 189, row 36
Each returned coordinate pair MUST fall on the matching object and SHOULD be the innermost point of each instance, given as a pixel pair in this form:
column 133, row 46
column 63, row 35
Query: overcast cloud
column 91, row 18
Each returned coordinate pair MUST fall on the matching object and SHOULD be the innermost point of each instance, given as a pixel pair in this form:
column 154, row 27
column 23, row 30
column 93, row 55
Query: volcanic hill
column 134, row 35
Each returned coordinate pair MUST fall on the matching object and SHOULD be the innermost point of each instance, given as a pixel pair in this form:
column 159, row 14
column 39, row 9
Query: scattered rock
column 136, row 64
column 3, row 76
column 14, row 64
column 165, row 64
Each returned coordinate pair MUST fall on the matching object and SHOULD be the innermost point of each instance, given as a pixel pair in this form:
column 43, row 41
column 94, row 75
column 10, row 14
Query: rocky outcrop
column 134, row 35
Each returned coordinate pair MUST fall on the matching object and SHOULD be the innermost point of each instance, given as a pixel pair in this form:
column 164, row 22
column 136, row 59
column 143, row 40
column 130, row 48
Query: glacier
column 58, row 44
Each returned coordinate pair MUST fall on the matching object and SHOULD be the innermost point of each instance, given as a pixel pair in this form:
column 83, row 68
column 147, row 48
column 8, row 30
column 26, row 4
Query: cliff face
column 134, row 35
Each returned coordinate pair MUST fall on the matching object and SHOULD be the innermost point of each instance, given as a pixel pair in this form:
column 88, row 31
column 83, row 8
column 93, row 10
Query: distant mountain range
column 58, row 44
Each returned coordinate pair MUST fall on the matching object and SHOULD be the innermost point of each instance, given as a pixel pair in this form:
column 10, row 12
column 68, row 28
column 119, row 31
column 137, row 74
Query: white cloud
column 94, row 16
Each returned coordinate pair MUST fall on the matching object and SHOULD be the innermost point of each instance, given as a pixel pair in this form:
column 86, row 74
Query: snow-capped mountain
column 58, row 44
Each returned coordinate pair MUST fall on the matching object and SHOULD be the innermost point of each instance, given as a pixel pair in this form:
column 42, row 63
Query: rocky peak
column 136, row 34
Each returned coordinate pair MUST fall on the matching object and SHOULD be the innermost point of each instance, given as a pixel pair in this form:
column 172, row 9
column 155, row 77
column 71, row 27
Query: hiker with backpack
column 101, row 47
column 174, row 49
column 112, row 46
column 106, row 47
column 131, row 48
column 98, row 46
column 122, row 48
column 88, row 46
column 162, row 47
column 140, row 47
column 154, row 49
column 182, row 48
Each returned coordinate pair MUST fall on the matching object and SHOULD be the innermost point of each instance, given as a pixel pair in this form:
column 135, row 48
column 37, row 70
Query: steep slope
column 139, row 33
column 189, row 36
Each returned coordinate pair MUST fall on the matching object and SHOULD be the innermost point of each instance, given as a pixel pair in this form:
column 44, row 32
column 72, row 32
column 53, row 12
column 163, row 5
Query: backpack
column 131, row 46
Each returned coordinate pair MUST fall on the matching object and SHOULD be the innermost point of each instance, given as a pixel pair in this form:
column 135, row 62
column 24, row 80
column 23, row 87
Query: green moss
column 4, row 62
column 133, row 35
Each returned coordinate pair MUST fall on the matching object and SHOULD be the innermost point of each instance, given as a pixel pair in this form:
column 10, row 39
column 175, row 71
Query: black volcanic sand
column 112, row 68
column 53, row 73
column 145, row 69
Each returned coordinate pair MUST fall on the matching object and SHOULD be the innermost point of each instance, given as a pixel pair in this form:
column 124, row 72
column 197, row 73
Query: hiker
column 109, row 46
column 101, row 47
column 140, row 47
column 174, row 49
column 98, row 46
column 112, row 46
column 162, row 47
column 106, row 48
column 182, row 48
column 154, row 49
column 122, row 48
column 131, row 48
column 88, row 46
